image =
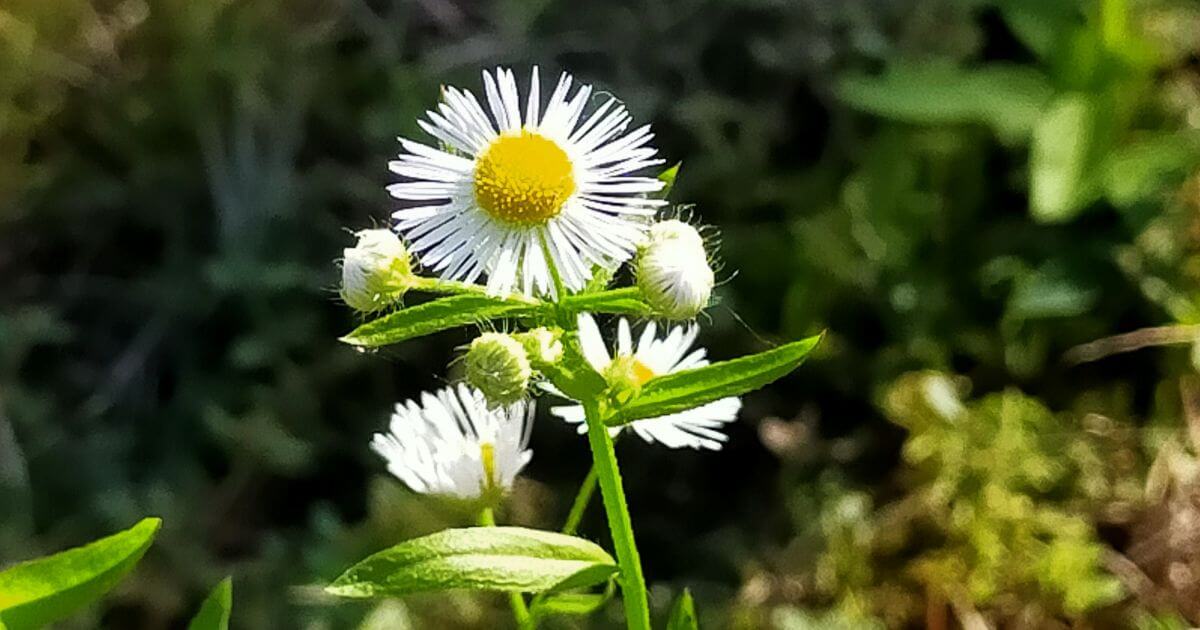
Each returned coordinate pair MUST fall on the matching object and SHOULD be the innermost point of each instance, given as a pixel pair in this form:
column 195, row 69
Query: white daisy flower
column 503, row 183
column 452, row 444
column 694, row 428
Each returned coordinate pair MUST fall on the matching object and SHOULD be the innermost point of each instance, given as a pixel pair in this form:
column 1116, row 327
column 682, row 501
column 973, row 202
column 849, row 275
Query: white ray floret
column 450, row 443
column 503, row 182
column 695, row 428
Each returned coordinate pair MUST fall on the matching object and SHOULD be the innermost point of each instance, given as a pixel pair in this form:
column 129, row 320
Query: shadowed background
column 958, row 191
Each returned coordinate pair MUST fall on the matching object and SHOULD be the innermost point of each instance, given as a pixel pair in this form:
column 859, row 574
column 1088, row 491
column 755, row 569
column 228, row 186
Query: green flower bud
column 673, row 271
column 542, row 346
column 375, row 272
column 498, row 366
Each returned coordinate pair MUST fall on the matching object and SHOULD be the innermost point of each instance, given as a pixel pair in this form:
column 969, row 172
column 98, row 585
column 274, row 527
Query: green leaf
column 1144, row 168
column 511, row 559
column 1007, row 98
column 687, row 389
column 214, row 612
column 683, row 613
column 570, row 604
column 38, row 592
column 625, row 301
column 431, row 317
column 1060, row 183
column 668, row 178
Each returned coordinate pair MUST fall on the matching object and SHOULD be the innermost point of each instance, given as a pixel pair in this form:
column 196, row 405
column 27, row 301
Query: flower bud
column 541, row 345
column 375, row 272
column 673, row 271
column 498, row 366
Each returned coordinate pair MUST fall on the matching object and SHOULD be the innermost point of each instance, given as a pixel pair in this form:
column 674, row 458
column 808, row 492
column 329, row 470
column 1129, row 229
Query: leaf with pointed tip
column 38, row 592
column 683, row 613
column 435, row 316
column 214, row 612
column 511, row 559
column 687, row 389
column 667, row 177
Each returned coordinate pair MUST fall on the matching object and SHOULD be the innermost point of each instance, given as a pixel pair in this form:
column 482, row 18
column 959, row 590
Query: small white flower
column 452, row 444
column 673, row 271
column 694, row 428
column 375, row 271
column 506, row 181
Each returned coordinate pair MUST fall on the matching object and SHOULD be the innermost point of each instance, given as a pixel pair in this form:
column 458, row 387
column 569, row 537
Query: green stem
column 582, row 498
column 487, row 518
column 633, row 584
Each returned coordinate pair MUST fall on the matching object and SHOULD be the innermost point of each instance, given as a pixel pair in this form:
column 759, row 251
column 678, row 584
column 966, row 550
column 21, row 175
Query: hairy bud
column 375, row 272
column 673, row 271
column 498, row 366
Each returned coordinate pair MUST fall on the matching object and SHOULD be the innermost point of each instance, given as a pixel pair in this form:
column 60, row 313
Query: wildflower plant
column 523, row 215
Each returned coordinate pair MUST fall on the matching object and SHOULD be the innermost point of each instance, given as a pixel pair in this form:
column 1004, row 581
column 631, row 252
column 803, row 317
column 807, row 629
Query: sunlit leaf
column 431, row 317
column 691, row 388
column 38, row 592
column 1059, row 178
column 214, row 612
column 486, row 558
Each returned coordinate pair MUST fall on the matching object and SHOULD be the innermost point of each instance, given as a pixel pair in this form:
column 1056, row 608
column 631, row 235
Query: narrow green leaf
column 511, row 559
column 683, row 613
column 41, row 591
column 214, row 612
column 570, row 604
column 668, row 178
column 1149, row 166
column 431, row 317
column 1007, row 98
column 1060, row 183
column 624, row 301
column 684, row 390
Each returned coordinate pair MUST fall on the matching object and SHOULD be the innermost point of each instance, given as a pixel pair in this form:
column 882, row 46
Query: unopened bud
column 673, row 271
column 498, row 366
column 375, row 272
column 542, row 346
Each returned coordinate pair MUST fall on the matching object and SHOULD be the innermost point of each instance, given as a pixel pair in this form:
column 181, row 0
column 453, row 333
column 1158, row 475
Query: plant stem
column 487, row 518
column 633, row 583
column 582, row 498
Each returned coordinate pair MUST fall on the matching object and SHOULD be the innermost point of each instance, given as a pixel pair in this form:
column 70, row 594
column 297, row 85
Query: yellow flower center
column 487, row 455
column 629, row 371
column 641, row 372
column 523, row 178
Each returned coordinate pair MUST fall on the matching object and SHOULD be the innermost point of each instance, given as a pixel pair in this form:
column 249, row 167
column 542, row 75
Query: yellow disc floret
column 523, row 178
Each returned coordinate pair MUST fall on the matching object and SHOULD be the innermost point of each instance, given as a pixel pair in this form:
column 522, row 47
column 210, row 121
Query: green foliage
column 41, row 591
column 487, row 558
column 683, row 613
column 214, row 612
column 434, row 316
column 686, row 389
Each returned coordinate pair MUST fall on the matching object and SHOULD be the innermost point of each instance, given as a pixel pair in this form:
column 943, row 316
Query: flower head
column 375, row 272
column 542, row 345
column 451, row 443
column 694, row 428
column 508, row 186
column 673, row 271
column 498, row 366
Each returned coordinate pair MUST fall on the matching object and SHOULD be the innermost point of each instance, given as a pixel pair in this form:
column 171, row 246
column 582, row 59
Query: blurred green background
column 973, row 197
